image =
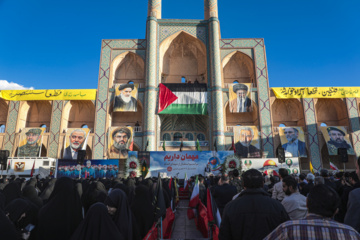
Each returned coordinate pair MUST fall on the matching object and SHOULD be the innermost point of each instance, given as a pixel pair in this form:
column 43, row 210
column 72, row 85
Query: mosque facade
column 184, row 51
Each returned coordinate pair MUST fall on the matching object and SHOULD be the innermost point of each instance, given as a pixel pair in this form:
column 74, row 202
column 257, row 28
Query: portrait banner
column 268, row 165
column 317, row 92
column 75, row 139
column 176, row 164
column 126, row 96
column 30, row 142
column 91, row 168
column 293, row 141
column 240, row 97
column 120, row 142
column 55, row 94
column 337, row 137
column 247, row 141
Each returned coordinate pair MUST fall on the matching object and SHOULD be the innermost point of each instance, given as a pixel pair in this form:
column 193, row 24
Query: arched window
column 177, row 136
column 84, row 126
column 189, row 136
column 166, row 137
column 282, row 125
column 183, row 80
column 323, row 125
column 201, row 137
column 130, row 82
column 2, row 128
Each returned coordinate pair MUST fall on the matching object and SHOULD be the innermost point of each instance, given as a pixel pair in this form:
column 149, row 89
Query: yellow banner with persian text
column 57, row 94
column 317, row 92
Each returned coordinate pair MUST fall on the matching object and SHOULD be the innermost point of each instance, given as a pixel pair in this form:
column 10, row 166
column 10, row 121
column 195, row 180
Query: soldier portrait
column 120, row 142
column 30, row 142
column 337, row 137
column 125, row 97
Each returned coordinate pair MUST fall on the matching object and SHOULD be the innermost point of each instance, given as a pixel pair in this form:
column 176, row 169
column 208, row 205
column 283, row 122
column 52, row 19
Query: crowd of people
column 251, row 206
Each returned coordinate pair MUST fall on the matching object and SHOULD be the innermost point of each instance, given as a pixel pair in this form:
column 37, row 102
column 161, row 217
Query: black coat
column 223, row 194
column 253, row 215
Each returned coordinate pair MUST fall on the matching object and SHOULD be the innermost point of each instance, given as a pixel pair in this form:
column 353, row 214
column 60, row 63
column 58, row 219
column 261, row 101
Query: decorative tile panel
column 353, row 113
column 196, row 31
column 56, row 112
column 10, row 131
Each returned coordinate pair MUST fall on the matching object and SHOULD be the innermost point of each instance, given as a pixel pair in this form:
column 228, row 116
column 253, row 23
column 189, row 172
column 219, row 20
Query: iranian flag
column 180, row 98
column 333, row 167
column 186, row 182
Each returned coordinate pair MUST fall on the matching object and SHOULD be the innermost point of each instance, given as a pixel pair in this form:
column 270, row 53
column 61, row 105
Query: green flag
column 164, row 146
column 144, row 169
column 198, row 145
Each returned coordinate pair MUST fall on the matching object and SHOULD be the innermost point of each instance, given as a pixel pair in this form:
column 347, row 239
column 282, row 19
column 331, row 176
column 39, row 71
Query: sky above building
column 56, row 45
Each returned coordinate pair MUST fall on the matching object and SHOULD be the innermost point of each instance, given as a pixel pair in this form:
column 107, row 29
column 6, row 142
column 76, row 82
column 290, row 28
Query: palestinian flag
column 179, row 98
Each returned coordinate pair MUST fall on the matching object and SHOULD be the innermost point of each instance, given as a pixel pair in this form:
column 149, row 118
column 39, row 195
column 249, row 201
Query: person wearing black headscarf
column 143, row 209
column 17, row 212
column 48, row 189
column 96, row 192
column 12, row 191
column 7, row 229
column 121, row 213
column 30, row 193
column 97, row 225
column 2, row 201
column 61, row 215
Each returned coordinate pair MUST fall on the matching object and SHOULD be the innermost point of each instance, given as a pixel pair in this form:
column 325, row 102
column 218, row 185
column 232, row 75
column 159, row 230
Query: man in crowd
column 242, row 103
column 337, row 141
column 119, row 149
column 294, row 146
column 278, row 192
column 325, row 174
column 322, row 204
column 244, row 147
column 353, row 207
column 31, row 148
column 294, row 203
column 253, row 214
column 124, row 102
column 310, row 184
column 236, row 182
column 351, row 184
column 77, row 139
column 223, row 193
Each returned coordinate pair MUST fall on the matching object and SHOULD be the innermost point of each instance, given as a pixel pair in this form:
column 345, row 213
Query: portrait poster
column 337, row 137
column 90, row 168
column 126, row 96
column 268, row 165
column 293, row 141
column 75, row 139
column 247, row 141
column 240, row 97
column 120, row 142
column 30, row 142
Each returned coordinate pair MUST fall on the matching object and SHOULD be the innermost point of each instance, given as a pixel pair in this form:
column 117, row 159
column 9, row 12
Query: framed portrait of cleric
column 337, row 137
column 120, row 142
column 240, row 97
column 293, row 141
column 247, row 143
column 30, row 142
column 75, row 139
column 126, row 97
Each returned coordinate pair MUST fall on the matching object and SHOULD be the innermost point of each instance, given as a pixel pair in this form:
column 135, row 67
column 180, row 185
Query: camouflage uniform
column 27, row 150
column 236, row 183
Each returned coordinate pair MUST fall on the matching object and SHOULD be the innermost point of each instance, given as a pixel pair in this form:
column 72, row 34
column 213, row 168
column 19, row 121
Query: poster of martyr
column 240, row 98
column 126, row 97
column 293, row 141
column 247, row 142
column 30, row 142
column 120, row 141
column 337, row 137
column 75, row 139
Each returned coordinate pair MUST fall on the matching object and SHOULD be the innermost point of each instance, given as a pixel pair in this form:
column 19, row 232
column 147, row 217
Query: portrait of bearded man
column 337, row 140
column 76, row 140
column 119, row 148
column 125, row 102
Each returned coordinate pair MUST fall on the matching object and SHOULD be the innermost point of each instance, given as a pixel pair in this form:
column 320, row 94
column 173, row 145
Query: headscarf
column 30, row 193
column 96, row 192
column 49, row 188
column 12, row 191
column 7, row 229
column 62, row 212
column 97, row 225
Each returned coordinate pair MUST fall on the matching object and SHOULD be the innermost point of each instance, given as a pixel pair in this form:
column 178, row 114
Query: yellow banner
column 317, row 92
column 68, row 94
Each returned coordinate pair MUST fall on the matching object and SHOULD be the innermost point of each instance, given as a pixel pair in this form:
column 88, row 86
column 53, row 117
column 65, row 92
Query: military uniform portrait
column 293, row 141
column 30, row 142
column 120, row 141
column 75, row 139
column 126, row 97
column 247, row 142
column 336, row 137
column 240, row 98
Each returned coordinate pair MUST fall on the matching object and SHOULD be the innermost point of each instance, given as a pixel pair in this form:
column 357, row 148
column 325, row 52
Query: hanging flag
column 212, row 210
column 233, row 146
column 158, row 201
column 186, row 183
column 144, row 169
column 32, row 170
column 164, row 149
column 194, row 200
column 9, row 166
column 311, row 168
column 179, row 98
column 333, row 167
column 198, row 148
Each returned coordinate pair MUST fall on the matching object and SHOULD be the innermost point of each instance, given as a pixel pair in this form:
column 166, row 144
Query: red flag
column 233, row 146
column 131, row 146
column 275, row 173
column 32, row 170
column 210, row 214
column 166, row 97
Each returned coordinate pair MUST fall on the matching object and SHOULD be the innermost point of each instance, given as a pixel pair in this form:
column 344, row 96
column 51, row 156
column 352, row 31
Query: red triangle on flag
column 166, row 97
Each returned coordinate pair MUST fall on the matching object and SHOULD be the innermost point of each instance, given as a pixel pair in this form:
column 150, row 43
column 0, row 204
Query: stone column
column 10, row 130
column 353, row 112
column 217, row 104
column 56, row 112
column 154, row 13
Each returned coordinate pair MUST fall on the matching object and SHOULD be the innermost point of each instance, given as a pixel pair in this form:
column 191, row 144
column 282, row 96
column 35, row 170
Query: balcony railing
column 137, row 129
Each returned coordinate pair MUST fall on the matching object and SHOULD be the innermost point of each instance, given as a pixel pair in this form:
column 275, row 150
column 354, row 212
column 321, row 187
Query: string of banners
column 317, row 92
column 57, row 94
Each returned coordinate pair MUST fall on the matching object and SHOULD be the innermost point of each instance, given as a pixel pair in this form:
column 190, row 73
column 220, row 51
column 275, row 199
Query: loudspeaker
column 281, row 154
column 81, row 156
column 343, row 155
column 4, row 154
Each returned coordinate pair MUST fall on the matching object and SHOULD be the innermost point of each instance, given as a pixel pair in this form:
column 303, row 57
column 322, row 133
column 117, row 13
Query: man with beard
column 337, row 141
column 294, row 146
column 119, row 149
column 88, row 171
column 242, row 103
column 244, row 147
column 77, row 138
column 31, row 148
column 124, row 102
column 294, row 203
